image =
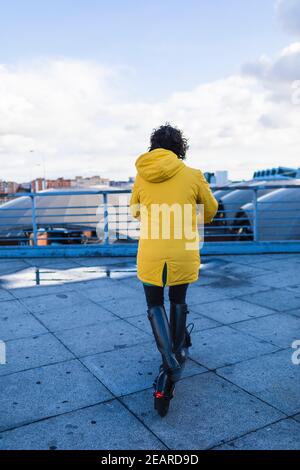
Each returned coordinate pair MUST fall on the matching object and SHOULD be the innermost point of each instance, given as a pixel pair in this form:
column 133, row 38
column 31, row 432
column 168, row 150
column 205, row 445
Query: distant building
column 39, row 184
column 8, row 187
column 85, row 182
column 2, row 187
column 42, row 184
column 12, row 187
column 24, row 188
column 59, row 183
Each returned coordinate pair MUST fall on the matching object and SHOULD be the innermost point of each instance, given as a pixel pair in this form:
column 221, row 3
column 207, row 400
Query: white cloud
column 280, row 78
column 72, row 113
column 288, row 13
column 284, row 69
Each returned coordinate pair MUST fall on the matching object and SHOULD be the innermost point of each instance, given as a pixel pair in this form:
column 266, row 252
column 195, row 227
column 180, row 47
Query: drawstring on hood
column 158, row 165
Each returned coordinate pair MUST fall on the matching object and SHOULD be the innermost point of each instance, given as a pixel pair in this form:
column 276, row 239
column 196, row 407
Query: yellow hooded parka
column 163, row 180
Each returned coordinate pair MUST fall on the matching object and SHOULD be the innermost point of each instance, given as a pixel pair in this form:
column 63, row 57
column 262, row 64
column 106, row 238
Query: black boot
column 180, row 335
column 161, row 331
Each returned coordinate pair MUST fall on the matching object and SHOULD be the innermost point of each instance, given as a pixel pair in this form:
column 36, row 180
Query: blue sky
column 169, row 45
column 84, row 82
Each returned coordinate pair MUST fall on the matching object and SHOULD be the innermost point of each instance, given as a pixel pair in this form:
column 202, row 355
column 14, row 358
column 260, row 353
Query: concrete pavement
column 81, row 358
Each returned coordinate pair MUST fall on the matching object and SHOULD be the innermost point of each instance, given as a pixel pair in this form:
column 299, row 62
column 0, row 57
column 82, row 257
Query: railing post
column 34, row 224
column 255, row 216
column 105, row 206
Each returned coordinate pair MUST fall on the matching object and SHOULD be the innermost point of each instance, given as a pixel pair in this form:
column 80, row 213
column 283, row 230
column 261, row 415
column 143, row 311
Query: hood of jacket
column 158, row 165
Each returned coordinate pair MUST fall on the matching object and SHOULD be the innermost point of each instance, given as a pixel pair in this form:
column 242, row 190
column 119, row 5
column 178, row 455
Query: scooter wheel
column 162, row 405
column 163, row 393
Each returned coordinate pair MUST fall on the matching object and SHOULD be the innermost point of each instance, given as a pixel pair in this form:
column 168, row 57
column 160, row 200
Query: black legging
column 155, row 294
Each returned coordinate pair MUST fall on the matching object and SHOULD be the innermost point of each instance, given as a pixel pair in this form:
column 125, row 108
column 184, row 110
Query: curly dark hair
column 170, row 138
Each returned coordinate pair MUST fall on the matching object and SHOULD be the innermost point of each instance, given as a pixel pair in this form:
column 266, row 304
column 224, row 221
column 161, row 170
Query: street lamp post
column 41, row 164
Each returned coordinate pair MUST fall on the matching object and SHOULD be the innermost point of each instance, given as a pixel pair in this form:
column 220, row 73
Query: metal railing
column 251, row 219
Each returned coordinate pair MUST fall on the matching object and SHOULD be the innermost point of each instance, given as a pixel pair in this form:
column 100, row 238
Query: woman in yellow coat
column 165, row 199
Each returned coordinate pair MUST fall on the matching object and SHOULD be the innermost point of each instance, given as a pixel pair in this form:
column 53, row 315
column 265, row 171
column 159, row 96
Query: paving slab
column 47, row 391
column 49, row 302
column 284, row 435
column 99, row 292
column 67, row 310
column 205, row 294
column 108, row 426
column 104, row 260
column 36, row 351
column 295, row 313
column 279, row 329
column 287, row 264
column 205, row 411
column 128, row 306
column 256, row 260
column 236, row 286
column 12, row 259
column 224, row 288
column 273, row 378
column 132, row 369
column 7, row 267
column 16, row 322
column 141, row 322
column 102, row 336
column 295, row 289
column 280, row 300
column 281, row 279
column 5, row 295
column 207, row 275
column 223, row 346
column 52, row 263
column 231, row 311
column 131, row 281
column 204, row 280
column 39, row 290
column 234, row 268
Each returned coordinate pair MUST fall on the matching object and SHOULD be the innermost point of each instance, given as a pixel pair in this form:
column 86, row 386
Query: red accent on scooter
column 159, row 394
